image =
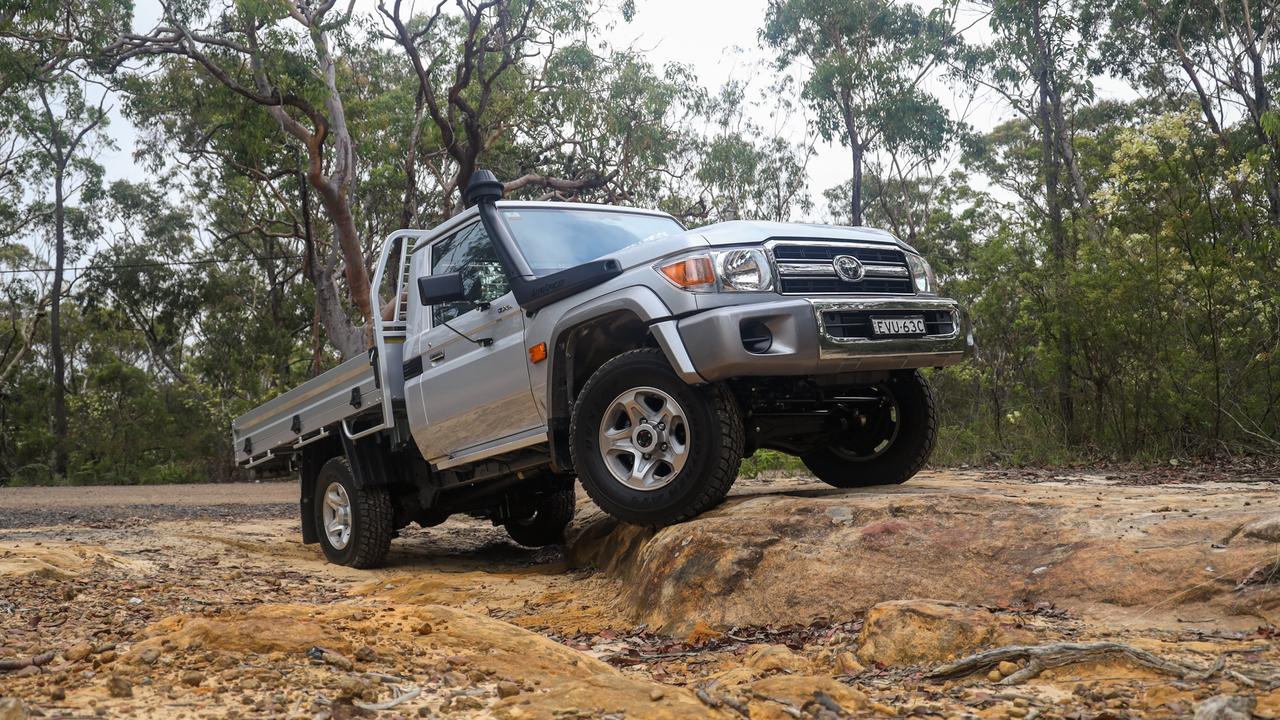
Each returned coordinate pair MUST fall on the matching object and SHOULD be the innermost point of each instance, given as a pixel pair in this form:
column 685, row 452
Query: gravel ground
column 115, row 505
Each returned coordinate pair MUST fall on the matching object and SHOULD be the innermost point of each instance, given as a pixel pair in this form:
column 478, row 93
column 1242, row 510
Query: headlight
column 922, row 274
column 736, row 270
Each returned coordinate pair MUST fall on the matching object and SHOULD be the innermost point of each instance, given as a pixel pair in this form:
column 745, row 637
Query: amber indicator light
column 538, row 353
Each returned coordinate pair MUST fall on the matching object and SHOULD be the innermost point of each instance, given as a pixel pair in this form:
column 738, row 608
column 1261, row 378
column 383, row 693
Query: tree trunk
column 347, row 338
column 1050, row 162
column 855, row 185
column 55, row 324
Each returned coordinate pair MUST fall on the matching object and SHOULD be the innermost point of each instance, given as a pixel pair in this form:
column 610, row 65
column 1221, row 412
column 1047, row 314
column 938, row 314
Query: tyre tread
column 373, row 507
column 729, row 458
column 833, row 471
column 555, row 512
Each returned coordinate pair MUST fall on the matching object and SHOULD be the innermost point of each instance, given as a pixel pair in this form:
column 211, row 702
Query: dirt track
column 108, row 505
column 200, row 601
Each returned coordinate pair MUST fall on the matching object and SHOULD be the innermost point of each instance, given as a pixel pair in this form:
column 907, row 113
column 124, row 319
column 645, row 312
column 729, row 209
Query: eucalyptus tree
column 743, row 170
column 867, row 63
column 65, row 126
column 283, row 58
column 54, row 117
column 509, row 83
column 1040, row 59
column 1223, row 56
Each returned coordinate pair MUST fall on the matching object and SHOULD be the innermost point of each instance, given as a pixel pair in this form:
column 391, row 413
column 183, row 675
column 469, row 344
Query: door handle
column 436, row 356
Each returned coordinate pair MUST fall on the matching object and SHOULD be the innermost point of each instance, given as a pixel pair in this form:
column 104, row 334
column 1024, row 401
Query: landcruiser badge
column 848, row 267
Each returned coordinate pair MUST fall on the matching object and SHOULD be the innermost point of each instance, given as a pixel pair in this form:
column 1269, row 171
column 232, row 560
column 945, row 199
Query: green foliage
column 1118, row 256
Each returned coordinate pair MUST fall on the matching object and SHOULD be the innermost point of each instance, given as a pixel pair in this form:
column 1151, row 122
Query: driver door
column 474, row 389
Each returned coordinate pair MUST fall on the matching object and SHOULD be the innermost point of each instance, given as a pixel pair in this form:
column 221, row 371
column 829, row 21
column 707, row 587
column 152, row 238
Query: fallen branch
column 397, row 698
column 11, row 664
column 1043, row 657
column 398, row 694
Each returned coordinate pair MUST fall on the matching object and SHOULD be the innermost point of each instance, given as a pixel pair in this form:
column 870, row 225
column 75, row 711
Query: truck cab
column 528, row 345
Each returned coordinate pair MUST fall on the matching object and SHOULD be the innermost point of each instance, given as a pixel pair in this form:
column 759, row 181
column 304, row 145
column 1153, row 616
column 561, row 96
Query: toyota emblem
column 848, row 268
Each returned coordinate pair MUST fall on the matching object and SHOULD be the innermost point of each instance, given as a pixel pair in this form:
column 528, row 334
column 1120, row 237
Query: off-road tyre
column 552, row 513
column 371, row 518
column 910, row 450
column 716, row 439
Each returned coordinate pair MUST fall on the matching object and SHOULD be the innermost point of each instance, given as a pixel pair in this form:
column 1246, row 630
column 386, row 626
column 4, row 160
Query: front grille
column 805, row 269
column 834, row 285
column 857, row 323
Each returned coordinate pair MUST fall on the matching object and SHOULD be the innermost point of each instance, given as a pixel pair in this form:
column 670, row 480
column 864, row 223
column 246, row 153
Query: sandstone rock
column 913, row 632
column 13, row 709
column 77, row 652
column 611, row 692
column 1007, row 668
column 847, row 664
column 507, row 689
column 118, row 687
column 1267, row 529
column 799, row 690
column 775, row 658
column 807, row 556
column 1226, row 707
column 265, row 629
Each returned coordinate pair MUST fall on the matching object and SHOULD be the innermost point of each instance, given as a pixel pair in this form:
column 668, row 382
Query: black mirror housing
column 445, row 288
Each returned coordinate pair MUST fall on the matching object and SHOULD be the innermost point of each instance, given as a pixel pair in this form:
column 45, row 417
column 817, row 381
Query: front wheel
column 355, row 524
column 886, row 444
column 649, row 448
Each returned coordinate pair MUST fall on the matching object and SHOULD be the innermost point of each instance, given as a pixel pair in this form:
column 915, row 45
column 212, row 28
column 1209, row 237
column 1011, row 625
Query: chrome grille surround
column 805, row 267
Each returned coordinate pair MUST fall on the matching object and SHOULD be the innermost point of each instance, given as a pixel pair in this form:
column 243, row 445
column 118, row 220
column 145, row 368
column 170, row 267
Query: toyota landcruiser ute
column 524, row 345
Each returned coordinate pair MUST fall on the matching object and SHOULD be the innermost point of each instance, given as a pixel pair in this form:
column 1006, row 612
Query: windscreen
column 555, row 239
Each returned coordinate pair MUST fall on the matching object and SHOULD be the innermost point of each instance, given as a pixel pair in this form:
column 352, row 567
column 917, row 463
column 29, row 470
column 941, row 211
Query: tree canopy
column 1118, row 249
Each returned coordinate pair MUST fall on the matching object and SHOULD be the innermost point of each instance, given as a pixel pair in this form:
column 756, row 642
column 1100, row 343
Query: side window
column 469, row 252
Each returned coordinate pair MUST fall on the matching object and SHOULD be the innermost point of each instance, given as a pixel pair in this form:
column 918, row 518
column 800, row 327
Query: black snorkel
column 532, row 293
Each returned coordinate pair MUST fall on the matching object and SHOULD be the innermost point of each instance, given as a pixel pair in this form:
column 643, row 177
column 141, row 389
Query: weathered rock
column 13, row 709
column 267, row 628
column 1226, row 707
column 192, row 678
column 611, row 693
column 775, row 658
column 912, row 632
column 1266, row 529
column 119, row 687
column 507, row 689
column 797, row 691
column 77, row 652
column 847, row 664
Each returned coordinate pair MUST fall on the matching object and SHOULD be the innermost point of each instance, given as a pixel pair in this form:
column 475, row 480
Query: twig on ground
column 1043, row 657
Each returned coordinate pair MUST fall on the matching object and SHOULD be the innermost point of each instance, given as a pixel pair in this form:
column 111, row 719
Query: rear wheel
column 354, row 524
column 648, row 447
column 552, row 513
column 888, row 444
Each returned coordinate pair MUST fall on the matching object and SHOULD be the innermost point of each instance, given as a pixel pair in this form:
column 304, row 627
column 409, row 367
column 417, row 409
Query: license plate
column 897, row 326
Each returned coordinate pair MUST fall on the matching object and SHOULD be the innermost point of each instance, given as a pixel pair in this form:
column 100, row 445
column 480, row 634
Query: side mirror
column 437, row 289
column 450, row 287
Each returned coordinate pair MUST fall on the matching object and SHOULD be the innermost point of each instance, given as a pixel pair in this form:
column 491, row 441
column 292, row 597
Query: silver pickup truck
column 524, row 344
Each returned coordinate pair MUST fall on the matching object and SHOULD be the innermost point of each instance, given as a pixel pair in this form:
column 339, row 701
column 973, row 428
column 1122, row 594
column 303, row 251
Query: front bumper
column 804, row 345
